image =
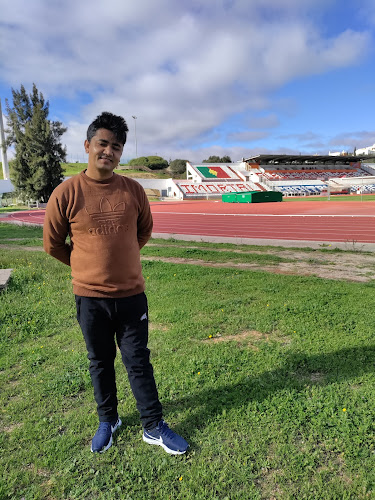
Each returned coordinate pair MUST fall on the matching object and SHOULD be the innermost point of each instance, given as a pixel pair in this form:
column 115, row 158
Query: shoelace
column 166, row 431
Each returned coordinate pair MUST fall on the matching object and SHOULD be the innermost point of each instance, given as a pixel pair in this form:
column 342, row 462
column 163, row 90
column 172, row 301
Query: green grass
column 8, row 231
column 75, row 168
column 210, row 255
column 254, row 369
column 13, row 209
column 339, row 197
column 23, row 242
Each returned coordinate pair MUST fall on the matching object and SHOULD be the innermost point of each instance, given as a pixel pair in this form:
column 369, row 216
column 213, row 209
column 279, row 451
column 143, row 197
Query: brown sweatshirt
column 108, row 222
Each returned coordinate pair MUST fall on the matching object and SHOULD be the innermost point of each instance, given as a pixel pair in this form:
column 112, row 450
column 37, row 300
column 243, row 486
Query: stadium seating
column 280, row 175
column 301, row 190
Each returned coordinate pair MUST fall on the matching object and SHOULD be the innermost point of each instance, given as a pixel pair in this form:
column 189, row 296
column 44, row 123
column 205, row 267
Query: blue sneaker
column 163, row 436
column 103, row 437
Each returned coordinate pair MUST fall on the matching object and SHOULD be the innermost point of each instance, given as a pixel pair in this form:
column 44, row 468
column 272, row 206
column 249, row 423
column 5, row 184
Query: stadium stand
column 293, row 175
column 312, row 175
column 212, row 180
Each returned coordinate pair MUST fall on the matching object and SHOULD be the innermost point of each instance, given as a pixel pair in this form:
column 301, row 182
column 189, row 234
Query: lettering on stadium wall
column 217, row 188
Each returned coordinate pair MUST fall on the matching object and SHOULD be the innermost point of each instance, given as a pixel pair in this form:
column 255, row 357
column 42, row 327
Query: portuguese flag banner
column 213, row 172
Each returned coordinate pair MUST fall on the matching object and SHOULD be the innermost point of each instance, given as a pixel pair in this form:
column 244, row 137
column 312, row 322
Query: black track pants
column 126, row 319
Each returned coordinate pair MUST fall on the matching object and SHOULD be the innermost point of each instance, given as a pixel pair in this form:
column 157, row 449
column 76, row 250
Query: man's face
column 105, row 152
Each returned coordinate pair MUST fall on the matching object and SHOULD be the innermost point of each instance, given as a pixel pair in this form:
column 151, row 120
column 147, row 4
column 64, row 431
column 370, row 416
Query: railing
column 263, row 180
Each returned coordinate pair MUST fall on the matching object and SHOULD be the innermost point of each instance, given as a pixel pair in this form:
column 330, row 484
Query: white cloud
column 306, row 136
column 247, row 136
column 260, row 122
column 181, row 67
column 359, row 139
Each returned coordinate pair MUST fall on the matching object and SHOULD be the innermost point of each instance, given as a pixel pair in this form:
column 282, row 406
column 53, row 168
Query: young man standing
column 108, row 220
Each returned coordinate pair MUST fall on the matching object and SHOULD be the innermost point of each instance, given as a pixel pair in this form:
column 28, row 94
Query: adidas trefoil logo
column 108, row 218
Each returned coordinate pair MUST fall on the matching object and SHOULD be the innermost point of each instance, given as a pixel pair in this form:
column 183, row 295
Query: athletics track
column 300, row 223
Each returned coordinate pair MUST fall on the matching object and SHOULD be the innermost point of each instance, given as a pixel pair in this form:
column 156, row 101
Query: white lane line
column 262, row 215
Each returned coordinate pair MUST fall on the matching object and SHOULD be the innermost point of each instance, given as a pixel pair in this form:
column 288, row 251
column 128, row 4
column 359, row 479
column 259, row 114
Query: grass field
column 337, row 197
column 269, row 377
column 75, row 168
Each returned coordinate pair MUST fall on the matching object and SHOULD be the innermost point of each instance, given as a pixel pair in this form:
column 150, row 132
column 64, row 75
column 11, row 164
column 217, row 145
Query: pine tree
column 36, row 170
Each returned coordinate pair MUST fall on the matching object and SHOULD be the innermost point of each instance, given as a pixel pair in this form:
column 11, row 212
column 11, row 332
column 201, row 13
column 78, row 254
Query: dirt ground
column 348, row 266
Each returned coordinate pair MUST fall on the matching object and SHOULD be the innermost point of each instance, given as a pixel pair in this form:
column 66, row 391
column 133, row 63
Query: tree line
column 37, row 167
column 177, row 166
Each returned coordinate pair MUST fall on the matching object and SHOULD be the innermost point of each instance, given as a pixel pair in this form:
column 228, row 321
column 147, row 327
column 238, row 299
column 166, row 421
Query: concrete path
column 4, row 278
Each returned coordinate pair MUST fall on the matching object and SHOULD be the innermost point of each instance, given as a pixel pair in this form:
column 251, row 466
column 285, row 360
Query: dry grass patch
column 317, row 377
column 12, row 399
column 314, row 377
column 11, row 428
column 158, row 326
column 13, row 383
column 43, row 472
column 269, row 484
column 270, row 478
column 39, row 471
column 248, row 336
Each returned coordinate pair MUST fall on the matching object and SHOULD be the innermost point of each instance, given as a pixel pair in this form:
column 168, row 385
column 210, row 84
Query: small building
column 369, row 151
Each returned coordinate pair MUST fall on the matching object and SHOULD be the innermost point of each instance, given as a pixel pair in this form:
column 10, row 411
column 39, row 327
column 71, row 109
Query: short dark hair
column 116, row 124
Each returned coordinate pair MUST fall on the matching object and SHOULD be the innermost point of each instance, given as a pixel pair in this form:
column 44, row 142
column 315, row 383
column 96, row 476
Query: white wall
column 162, row 184
column 370, row 150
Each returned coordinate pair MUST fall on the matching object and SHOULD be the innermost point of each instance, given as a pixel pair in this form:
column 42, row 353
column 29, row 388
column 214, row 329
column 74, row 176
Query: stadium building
column 292, row 175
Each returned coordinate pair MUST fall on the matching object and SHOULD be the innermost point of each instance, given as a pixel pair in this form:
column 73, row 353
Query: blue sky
column 203, row 77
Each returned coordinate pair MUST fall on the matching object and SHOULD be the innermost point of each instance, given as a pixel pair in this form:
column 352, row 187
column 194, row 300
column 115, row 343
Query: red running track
column 333, row 221
column 308, row 221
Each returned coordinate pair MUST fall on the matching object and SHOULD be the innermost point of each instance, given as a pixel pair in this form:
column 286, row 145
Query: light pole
column 3, row 147
column 135, row 130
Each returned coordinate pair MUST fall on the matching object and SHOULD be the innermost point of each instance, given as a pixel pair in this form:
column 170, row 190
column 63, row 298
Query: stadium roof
column 298, row 159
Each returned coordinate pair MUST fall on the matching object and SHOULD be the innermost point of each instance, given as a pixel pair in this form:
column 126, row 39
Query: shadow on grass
column 298, row 371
